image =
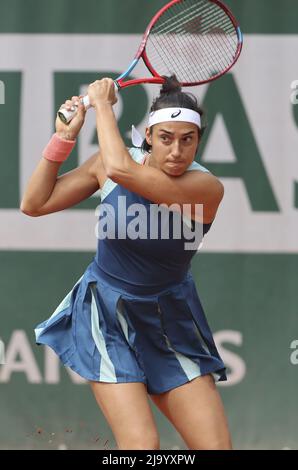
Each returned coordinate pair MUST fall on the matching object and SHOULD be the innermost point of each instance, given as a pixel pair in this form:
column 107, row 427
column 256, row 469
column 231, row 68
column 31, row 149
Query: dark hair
column 172, row 96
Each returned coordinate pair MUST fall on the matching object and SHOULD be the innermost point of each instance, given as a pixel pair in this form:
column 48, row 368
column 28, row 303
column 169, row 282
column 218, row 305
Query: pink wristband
column 58, row 149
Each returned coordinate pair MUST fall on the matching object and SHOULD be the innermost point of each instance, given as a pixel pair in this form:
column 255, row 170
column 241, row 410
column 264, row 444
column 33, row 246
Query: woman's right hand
column 70, row 131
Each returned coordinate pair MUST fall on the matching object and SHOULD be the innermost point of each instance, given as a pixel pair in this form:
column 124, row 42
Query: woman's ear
column 148, row 135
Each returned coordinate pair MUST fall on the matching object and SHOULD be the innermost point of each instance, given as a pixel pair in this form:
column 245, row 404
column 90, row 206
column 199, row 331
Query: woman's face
column 174, row 146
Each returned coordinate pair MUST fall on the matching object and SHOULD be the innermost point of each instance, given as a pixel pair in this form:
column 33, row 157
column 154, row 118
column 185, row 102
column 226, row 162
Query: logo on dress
column 176, row 114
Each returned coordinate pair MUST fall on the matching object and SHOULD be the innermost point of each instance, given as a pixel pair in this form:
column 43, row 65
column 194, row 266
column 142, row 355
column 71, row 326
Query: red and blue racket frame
column 156, row 78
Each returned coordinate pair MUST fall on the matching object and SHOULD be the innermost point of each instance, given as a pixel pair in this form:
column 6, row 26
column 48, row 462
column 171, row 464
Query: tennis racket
column 197, row 40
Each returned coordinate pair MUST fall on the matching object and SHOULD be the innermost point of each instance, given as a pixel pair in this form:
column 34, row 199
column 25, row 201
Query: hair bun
column 171, row 85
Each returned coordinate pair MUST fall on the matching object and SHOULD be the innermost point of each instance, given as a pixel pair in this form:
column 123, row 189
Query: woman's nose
column 176, row 149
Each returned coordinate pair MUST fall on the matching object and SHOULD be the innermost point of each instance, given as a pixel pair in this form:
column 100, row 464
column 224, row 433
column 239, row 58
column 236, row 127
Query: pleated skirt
column 109, row 331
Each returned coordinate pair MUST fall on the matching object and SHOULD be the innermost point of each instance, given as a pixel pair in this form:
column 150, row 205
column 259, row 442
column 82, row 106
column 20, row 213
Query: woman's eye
column 165, row 138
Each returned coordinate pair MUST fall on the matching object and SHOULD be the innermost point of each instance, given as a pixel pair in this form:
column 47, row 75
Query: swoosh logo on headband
column 176, row 114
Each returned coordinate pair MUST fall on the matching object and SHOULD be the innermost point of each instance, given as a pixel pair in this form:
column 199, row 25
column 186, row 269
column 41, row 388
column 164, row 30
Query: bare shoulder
column 206, row 180
column 215, row 184
column 206, row 188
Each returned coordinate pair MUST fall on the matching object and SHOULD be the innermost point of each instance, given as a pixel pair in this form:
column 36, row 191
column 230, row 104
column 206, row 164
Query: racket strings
column 211, row 17
column 168, row 25
column 185, row 58
column 211, row 12
column 215, row 52
column 210, row 53
column 226, row 27
column 193, row 39
column 166, row 57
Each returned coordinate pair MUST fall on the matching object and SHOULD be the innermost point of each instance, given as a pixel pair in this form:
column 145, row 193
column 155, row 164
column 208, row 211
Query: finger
column 65, row 106
column 81, row 109
column 81, row 98
column 69, row 105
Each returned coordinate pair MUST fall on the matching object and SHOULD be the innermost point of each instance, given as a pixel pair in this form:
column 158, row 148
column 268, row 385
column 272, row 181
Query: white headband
column 166, row 115
column 174, row 114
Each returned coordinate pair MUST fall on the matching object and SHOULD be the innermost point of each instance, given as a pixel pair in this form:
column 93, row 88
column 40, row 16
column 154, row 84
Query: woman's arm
column 46, row 192
column 193, row 187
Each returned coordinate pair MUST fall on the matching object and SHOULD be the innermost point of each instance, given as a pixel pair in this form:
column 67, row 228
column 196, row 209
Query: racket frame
column 66, row 115
column 156, row 78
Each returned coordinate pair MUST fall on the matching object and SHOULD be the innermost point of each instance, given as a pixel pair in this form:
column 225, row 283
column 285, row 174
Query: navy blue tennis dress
column 135, row 314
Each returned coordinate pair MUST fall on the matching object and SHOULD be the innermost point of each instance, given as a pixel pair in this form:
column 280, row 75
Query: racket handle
column 66, row 116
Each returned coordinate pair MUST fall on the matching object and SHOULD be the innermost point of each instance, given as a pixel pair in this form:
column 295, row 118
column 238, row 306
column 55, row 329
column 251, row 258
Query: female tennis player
column 133, row 324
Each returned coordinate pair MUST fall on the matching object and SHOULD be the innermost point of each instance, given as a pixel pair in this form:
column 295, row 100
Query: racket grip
column 67, row 115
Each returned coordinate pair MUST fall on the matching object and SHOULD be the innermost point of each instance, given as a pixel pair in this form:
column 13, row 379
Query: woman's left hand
column 102, row 92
